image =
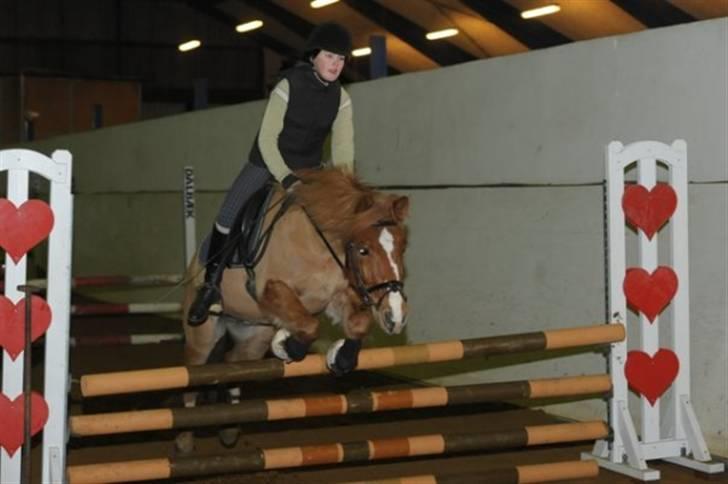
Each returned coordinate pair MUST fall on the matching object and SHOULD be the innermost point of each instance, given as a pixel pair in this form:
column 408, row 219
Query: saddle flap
column 249, row 225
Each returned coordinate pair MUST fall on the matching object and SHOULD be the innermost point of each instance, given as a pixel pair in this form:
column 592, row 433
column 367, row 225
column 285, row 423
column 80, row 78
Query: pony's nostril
column 389, row 322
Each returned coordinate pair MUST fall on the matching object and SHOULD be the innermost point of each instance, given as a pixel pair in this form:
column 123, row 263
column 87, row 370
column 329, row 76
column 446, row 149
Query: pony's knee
column 276, row 294
column 358, row 325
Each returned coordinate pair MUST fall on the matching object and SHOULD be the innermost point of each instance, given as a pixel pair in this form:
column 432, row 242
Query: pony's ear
column 400, row 209
column 364, row 203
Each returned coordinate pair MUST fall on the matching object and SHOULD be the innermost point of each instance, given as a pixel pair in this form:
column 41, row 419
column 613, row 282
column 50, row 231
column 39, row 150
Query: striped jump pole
column 109, row 309
column 316, row 406
column 111, row 281
column 369, row 359
column 126, row 339
column 359, row 451
column 526, row 474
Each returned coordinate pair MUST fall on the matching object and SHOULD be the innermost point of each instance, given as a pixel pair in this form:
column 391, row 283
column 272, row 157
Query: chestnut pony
column 338, row 250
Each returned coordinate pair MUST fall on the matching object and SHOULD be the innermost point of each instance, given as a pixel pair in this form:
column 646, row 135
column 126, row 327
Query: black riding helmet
column 328, row 36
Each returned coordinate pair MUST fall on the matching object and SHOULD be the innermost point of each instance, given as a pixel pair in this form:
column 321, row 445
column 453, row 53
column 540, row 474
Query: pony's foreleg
column 298, row 327
column 343, row 356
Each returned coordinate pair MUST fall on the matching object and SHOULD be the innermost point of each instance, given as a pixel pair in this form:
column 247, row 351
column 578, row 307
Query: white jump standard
column 676, row 435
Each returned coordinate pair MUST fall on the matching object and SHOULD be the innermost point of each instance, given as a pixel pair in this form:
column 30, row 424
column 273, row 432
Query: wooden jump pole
column 369, row 359
column 358, row 451
column 113, row 281
column 526, row 474
column 352, row 403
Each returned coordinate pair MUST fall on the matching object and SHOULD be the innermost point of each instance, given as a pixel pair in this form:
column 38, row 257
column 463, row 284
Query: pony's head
column 370, row 226
column 375, row 261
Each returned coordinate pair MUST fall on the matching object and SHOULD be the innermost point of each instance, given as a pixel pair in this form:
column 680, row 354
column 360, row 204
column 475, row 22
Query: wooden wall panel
column 50, row 98
column 120, row 100
column 66, row 106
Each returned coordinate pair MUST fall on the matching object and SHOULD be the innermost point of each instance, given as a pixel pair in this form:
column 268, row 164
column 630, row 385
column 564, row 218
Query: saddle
column 252, row 240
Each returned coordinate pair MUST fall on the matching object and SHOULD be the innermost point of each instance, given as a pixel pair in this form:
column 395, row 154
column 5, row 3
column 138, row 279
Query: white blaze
column 386, row 240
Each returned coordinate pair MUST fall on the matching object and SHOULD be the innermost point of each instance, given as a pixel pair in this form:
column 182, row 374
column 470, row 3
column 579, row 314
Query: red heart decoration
column 649, row 210
column 11, row 420
column 23, row 228
column 12, row 323
column 651, row 376
column 647, row 293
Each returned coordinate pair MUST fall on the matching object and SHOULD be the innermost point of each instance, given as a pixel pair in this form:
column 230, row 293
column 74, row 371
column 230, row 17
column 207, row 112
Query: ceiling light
column 322, row 3
column 441, row 34
column 540, row 11
column 361, row 52
column 189, row 45
column 248, row 26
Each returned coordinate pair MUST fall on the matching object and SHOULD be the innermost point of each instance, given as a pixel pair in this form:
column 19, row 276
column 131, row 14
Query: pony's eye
column 363, row 251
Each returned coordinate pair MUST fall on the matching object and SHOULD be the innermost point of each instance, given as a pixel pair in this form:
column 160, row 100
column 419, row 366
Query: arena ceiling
column 137, row 39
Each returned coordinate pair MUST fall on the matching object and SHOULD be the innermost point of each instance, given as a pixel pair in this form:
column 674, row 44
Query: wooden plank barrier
column 376, row 358
column 359, row 451
column 360, row 401
column 526, row 474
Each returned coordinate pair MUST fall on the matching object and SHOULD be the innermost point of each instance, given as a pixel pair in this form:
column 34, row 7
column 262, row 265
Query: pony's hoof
column 278, row 345
column 184, row 444
column 296, row 350
column 288, row 348
column 229, row 436
column 343, row 357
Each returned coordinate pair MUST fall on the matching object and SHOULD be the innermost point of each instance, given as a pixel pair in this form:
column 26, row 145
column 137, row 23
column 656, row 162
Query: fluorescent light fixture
column 540, row 11
column 361, row 52
column 248, row 26
column 322, row 3
column 189, row 45
column 441, row 34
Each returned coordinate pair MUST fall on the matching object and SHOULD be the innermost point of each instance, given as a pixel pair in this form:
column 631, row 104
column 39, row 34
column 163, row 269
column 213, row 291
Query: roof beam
column 300, row 27
column 208, row 8
column 654, row 13
column 290, row 21
column 532, row 33
column 46, row 42
column 442, row 52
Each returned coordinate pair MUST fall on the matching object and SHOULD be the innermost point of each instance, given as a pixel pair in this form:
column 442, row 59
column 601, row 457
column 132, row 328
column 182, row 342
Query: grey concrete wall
column 484, row 259
column 543, row 116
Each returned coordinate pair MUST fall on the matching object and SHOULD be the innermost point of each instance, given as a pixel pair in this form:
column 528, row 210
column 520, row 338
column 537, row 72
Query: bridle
column 357, row 280
column 361, row 289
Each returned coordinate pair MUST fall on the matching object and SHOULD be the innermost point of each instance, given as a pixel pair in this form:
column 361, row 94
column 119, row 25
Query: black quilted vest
column 312, row 109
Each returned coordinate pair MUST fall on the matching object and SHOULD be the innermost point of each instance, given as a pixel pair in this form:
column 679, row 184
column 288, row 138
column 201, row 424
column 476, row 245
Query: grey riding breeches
column 250, row 179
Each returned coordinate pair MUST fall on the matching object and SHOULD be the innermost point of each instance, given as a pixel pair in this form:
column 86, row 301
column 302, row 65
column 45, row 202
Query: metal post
column 378, row 57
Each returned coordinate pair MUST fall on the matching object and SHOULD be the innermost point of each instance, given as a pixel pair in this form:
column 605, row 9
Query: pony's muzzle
column 393, row 326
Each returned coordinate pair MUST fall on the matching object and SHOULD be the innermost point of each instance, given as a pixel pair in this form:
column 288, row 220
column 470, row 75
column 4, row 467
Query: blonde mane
column 339, row 203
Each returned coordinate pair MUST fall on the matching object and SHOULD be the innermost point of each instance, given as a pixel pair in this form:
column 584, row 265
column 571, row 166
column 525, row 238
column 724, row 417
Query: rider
column 305, row 106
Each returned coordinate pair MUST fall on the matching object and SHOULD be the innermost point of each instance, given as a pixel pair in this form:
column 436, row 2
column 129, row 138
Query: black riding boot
column 209, row 293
